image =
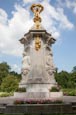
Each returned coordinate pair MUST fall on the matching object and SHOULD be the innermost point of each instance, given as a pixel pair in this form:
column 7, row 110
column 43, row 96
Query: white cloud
column 71, row 4
column 11, row 30
column 56, row 34
column 3, row 16
column 64, row 20
column 58, row 15
column 75, row 10
column 15, row 68
column 29, row 1
column 17, row 26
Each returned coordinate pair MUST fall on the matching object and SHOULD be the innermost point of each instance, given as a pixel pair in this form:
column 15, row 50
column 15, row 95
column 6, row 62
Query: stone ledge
column 56, row 95
column 39, row 95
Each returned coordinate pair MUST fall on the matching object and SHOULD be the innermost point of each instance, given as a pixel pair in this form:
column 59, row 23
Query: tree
column 62, row 79
column 74, row 69
column 73, row 79
column 4, row 70
column 18, row 76
column 9, row 84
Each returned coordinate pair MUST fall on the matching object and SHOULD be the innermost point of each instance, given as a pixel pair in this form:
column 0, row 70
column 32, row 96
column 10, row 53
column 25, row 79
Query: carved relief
column 25, row 64
column 49, row 62
column 50, row 70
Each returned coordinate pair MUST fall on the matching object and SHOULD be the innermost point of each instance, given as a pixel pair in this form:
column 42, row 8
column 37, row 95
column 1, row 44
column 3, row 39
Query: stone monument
column 37, row 63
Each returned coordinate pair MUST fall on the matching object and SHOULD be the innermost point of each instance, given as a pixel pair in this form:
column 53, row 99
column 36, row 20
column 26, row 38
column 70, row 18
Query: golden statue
column 37, row 9
column 37, row 43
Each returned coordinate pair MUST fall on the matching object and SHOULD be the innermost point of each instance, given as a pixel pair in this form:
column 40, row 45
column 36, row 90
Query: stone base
column 45, row 87
column 39, row 109
column 39, row 95
column 38, row 91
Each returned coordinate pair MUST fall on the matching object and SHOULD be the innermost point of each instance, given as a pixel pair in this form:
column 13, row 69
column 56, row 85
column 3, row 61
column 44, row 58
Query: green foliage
column 9, row 79
column 54, row 89
column 5, row 94
column 21, row 89
column 69, row 92
column 65, row 79
column 18, row 76
column 73, row 79
column 62, row 78
column 74, row 69
column 4, row 70
column 10, row 83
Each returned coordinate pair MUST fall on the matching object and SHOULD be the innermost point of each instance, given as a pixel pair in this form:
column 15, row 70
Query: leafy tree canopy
column 4, row 70
column 9, row 84
column 74, row 69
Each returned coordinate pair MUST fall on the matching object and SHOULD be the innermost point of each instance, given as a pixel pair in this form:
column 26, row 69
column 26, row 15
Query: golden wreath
column 37, row 5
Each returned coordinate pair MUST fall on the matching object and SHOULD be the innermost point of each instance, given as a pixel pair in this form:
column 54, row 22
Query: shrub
column 54, row 89
column 5, row 94
column 23, row 89
column 9, row 84
column 69, row 92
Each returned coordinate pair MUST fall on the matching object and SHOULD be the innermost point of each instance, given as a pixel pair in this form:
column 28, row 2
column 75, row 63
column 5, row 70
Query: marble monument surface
column 37, row 64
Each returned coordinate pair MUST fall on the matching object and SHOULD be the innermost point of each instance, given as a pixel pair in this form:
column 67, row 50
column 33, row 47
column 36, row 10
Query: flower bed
column 34, row 101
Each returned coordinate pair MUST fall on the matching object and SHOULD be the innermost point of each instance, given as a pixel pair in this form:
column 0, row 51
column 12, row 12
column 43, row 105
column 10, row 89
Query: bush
column 62, row 78
column 23, row 89
column 54, row 89
column 5, row 94
column 9, row 84
column 69, row 92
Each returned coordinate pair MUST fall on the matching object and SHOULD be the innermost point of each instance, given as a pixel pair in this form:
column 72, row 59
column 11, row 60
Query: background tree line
column 9, row 80
column 66, row 79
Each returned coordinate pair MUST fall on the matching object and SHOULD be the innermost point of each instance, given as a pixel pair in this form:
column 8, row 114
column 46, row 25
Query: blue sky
column 58, row 18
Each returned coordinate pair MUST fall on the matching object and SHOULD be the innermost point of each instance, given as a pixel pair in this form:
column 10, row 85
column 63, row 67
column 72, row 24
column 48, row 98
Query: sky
column 58, row 18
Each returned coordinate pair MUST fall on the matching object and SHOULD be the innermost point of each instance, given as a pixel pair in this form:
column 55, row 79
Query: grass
column 69, row 92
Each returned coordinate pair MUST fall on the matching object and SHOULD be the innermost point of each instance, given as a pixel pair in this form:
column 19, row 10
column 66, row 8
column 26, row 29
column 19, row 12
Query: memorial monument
column 37, row 63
